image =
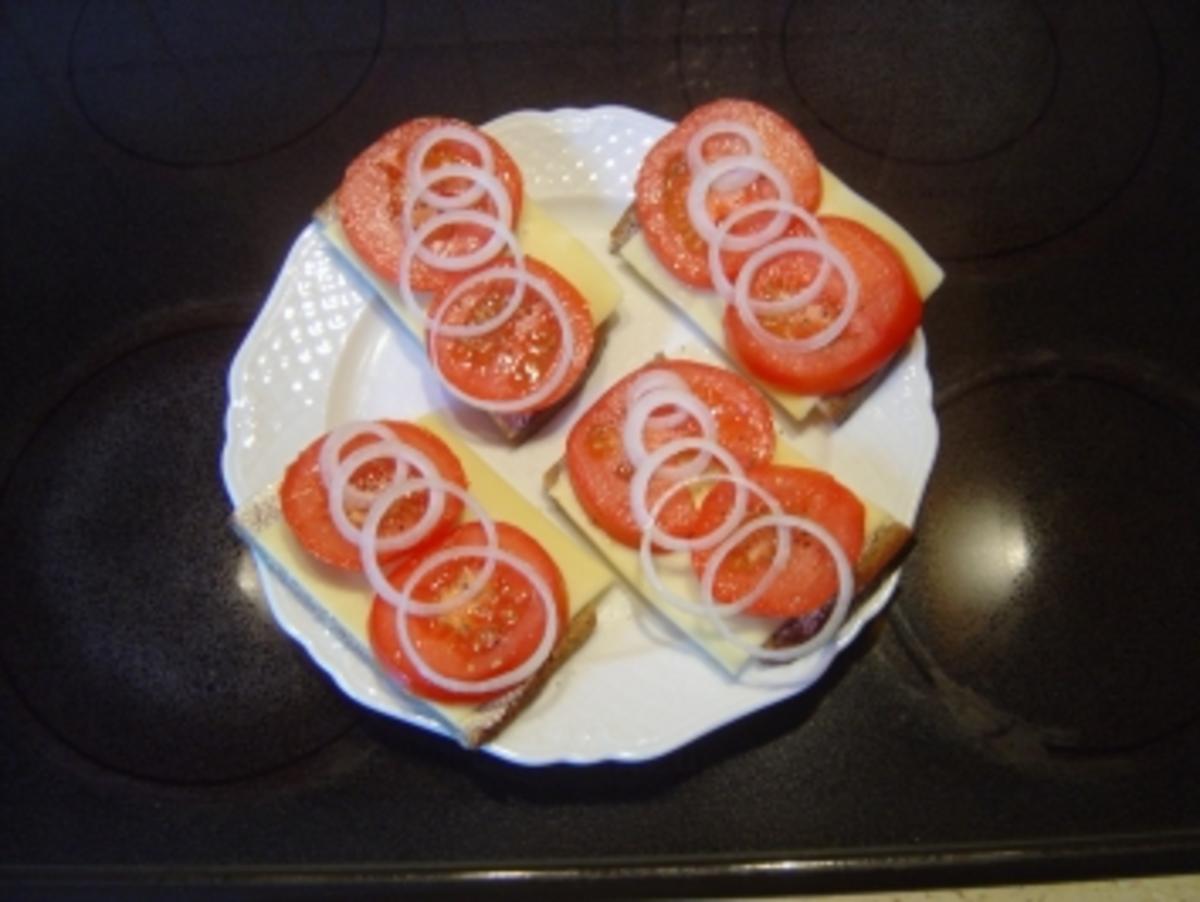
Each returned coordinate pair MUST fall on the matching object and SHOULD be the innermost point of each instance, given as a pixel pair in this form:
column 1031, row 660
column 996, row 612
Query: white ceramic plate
column 323, row 351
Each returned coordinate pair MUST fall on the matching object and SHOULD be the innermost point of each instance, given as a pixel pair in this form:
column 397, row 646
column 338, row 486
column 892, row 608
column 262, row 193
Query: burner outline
column 221, row 160
column 1043, row 107
column 157, row 329
column 1017, row 738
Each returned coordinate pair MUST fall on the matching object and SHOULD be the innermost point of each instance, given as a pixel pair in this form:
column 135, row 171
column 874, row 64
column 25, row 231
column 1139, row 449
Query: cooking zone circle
column 1009, row 124
column 962, row 82
column 138, row 633
column 210, row 83
column 1052, row 588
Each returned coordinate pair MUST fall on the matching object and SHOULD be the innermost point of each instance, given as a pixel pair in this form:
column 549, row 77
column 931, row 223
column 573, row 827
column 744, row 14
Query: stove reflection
column 1050, row 584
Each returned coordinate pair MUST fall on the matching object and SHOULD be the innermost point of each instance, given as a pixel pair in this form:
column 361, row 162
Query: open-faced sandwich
column 424, row 561
column 807, row 287
column 510, row 307
column 677, row 477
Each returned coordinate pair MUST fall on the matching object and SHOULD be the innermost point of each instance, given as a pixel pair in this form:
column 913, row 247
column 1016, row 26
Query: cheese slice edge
column 677, row 575
column 540, row 236
column 343, row 600
column 706, row 309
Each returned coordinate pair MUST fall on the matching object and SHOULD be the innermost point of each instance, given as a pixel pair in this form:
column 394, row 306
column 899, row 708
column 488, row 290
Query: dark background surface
column 1026, row 710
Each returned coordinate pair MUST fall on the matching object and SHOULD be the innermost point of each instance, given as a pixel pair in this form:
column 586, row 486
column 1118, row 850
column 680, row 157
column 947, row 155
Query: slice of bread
column 541, row 237
column 887, row 540
column 340, row 601
column 705, row 308
column 885, row 548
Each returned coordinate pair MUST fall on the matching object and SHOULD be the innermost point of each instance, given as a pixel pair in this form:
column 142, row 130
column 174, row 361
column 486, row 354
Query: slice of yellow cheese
column 540, row 236
column 676, row 574
column 706, row 309
column 343, row 600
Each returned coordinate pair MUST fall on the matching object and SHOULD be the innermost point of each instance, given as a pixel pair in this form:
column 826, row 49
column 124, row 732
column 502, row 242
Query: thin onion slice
column 841, row 605
column 640, row 484
column 369, row 549
column 405, row 457
column 819, row 339
column 640, row 411
column 331, row 452
column 698, row 192
column 488, row 184
column 498, row 223
column 416, row 160
column 742, row 484
column 653, row 379
column 550, row 383
column 502, row 233
column 721, row 283
column 506, row 680
column 731, row 181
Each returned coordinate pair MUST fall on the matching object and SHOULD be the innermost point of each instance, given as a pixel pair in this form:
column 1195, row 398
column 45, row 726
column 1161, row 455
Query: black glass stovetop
column 1026, row 709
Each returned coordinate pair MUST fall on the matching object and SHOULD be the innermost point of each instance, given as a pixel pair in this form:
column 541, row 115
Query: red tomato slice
column 371, row 199
column 600, row 471
column 513, row 360
column 889, row 312
column 665, row 177
column 484, row 638
column 305, row 501
column 808, row 579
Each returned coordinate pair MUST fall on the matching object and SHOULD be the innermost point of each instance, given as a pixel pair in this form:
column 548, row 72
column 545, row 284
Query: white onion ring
column 765, row 243
column 506, row 237
column 841, row 603
column 562, row 363
column 331, row 452
column 503, row 272
column 725, row 288
column 485, row 181
column 633, row 428
column 731, row 181
column 501, row 219
column 640, row 484
column 370, row 552
column 698, row 191
column 783, row 547
column 506, row 680
column 404, row 457
column 426, row 143
column 741, row 294
column 652, row 379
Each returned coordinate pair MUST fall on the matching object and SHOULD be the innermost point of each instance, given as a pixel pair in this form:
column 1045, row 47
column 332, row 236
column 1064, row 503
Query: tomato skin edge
column 890, row 309
column 579, row 315
column 808, row 581
column 304, row 501
column 381, row 622
column 364, row 200
column 595, row 460
column 667, row 234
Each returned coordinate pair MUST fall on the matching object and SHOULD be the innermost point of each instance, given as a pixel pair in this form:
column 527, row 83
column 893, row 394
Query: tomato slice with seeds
column 808, row 579
column 513, row 360
column 889, row 312
column 371, row 199
column 305, row 501
column 600, row 471
column 487, row 636
column 664, row 179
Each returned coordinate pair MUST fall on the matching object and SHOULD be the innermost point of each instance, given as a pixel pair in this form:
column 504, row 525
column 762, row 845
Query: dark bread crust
column 627, row 226
column 835, row 408
column 497, row 714
column 515, row 427
column 885, row 549
column 489, row 718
